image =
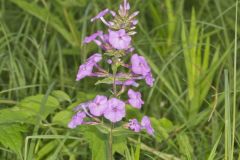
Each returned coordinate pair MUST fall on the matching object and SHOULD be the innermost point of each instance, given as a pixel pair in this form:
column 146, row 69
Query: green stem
column 110, row 143
column 114, row 69
column 114, row 82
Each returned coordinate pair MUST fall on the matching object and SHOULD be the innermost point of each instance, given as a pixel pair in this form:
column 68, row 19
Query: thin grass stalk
column 234, row 83
column 227, row 118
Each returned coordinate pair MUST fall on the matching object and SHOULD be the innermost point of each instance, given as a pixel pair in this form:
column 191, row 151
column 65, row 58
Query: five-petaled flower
column 115, row 110
column 119, row 39
column 140, row 65
column 98, row 105
column 135, row 99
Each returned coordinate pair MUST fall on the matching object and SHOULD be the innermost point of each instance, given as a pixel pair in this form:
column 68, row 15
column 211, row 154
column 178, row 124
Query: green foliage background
column 192, row 47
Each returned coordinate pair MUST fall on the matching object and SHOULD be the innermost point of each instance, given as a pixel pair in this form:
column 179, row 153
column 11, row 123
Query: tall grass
column 192, row 47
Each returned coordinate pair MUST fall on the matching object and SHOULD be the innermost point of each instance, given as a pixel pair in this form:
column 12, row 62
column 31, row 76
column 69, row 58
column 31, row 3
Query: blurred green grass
column 188, row 44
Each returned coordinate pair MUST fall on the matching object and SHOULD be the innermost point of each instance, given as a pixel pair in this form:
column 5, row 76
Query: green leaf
column 34, row 105
column 165, row 123
column 48, row 148
column 185, row 146
column 62, row 118
column 138, row 150
column 161, row 132
column 214, row 149
column 28, row 109
column 108, row 80
column 61, row 96
column 98, row 142
column 15, row 114
column 133, row 112
column 82, row 97
column 11, row 137
column 119, row 144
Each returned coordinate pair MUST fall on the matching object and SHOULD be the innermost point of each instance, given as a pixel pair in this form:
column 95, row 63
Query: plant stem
column 114, row 85
column 110, row 143
column 114, row 68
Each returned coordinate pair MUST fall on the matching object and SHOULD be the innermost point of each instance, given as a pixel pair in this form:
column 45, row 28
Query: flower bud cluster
column 119, row 54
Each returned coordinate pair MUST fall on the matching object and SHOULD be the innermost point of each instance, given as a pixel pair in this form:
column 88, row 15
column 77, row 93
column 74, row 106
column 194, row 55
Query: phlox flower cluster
column 126, row 69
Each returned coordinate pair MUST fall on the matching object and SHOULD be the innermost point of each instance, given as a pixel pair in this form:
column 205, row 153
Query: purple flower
column 87, row 68
column 131, row 82
column 115, row 110
column 100, row 39
column 149, row 79
column 93, row 37
column 100, row 15
column 139, row 65
column 119, row 39
column 77, row 120
column 134, row 125
column 105, row 42
column 98, row 105
column 146, row 124
column 128, row 82
column 135, row 99
column 94, row 59
column 83, row 107
column 84, row 71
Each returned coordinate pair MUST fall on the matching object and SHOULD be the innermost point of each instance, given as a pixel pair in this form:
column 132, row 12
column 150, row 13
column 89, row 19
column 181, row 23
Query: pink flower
column 93, row 37
column 100, row 39
column 100, row 15
column 139, row 65
column 146, row 124
column 77, row 120
column 98, row 105
column 83, row 107
column 115, row 110
column 149, row 79
column 134, row 125
column 95, row 58
column 119, row 39
column 135, row 99
column 87, row 68
column 129, row 82
column 84, row 71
